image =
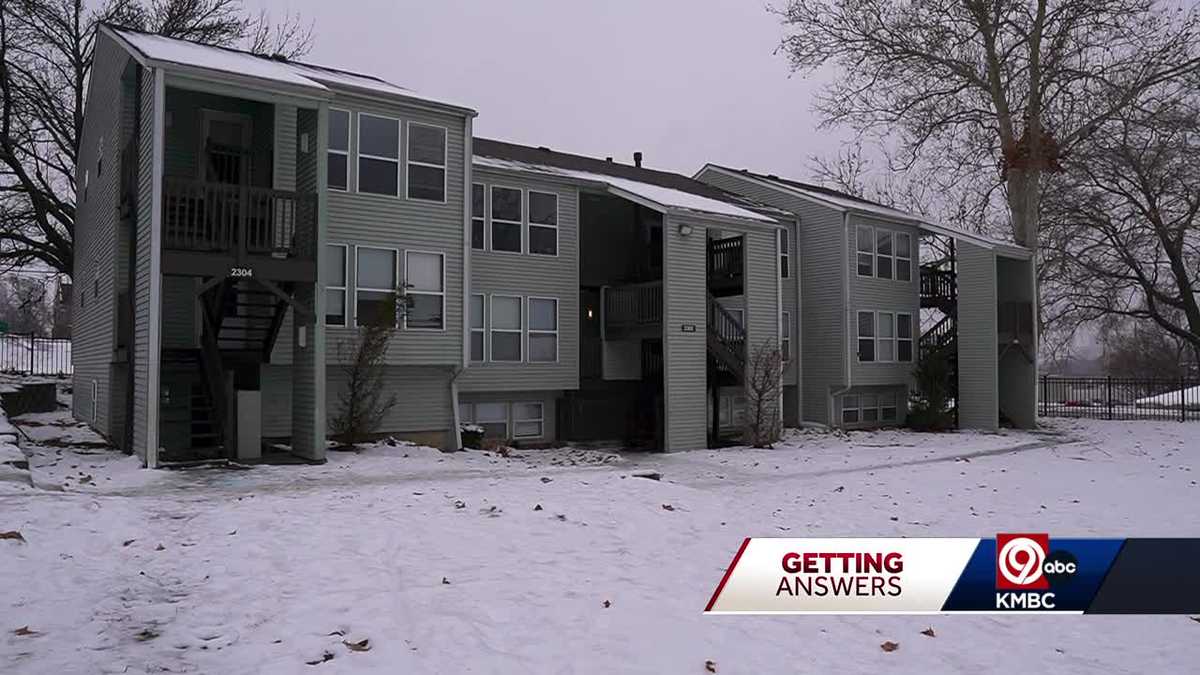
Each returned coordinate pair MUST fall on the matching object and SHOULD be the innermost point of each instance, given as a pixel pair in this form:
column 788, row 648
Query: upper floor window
column 506, row 219
column 543, row 329
column 477, row 328
column 334, row 278
column 378, row 155
column 866, row 337
column 477, row 215
column 885, row 337
column 426, row 162
column 866, row 251
column 884, row 254
column 426, row 290
column 505, row 321
column 375, row 285
column 903, row 256
column 338, row 160
column 785, row 258
column 543, row 223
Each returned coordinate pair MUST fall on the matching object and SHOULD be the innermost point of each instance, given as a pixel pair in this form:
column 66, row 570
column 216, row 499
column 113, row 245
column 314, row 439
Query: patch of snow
column 1188, row 398
column 561, row 560
column 667, row 197
column 34, row 356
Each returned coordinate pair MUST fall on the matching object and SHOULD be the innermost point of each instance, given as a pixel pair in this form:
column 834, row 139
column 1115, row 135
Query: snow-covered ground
column 559, row 561
column 35, row 356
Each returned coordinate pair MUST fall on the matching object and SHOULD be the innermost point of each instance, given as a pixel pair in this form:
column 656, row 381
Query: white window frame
column 890, row 256
column 491, row 220
column 859, row 337
column 896, row 257
column 785, row 254
column 483, row 307
column 520, row 330
column 408, row 161
column 528, row 215
column 895, row 406
column 785, row 337
column 359, row 155
column 541, row 421
column 482, row 218
column 344, row 288
column 858, row 252
column 880, row 339
column 409, row 291
column 530, row 331
column 505, row 420
column 911, row 339
column 861, row 409
column 357, row 288
column 857, row 408
column 350, row 119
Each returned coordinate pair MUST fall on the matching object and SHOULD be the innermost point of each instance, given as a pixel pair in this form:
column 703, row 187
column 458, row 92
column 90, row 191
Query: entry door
column 589, row 334
column 225, row 151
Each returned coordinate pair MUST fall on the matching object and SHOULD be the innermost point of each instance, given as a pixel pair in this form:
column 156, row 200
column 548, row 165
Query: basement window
column 378, row 155
column 493, row 417
column 426, row 162
column 543, row 223
column 507, row 217
column 850, row 414
column 528, row 420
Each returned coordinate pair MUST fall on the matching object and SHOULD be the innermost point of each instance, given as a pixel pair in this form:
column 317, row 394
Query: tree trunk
column 1024, row 203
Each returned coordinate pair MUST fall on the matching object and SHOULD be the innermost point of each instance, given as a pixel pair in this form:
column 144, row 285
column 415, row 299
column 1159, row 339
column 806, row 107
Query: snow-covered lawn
column 561, row 560
column 35, row 356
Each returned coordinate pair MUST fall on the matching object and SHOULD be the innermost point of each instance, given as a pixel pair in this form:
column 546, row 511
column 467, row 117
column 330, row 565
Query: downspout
column 458, row 444
column 154, row 321
column 846, row 319
column 468, row 191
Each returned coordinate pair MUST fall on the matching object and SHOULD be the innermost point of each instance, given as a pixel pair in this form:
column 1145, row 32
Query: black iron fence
column 1120, row 398
column 34, row 355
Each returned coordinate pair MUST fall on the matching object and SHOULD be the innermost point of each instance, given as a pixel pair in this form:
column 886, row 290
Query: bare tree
column 363, row 405
column 1123, row 222
column 1142, row 349
column 993, row 91
column 25, row 303
column 764, row 386
column 46, row 53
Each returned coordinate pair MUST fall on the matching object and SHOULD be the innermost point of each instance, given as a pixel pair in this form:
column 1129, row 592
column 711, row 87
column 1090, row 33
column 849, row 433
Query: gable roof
column 662, row 190
column 319, row 80
column 843, row 201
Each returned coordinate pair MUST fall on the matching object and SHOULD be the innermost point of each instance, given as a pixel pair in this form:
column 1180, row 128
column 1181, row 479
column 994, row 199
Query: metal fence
column 1120, row 398
column 34, row 355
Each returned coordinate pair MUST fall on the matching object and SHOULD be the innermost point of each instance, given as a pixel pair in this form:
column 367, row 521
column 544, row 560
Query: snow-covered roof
column 318, row 79
column 665, row 190
column 847, row 202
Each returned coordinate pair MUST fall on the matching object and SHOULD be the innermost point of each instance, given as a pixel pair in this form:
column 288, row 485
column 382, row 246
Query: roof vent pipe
column 637, row 159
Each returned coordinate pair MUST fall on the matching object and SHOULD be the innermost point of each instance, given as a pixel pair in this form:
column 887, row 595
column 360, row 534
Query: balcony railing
column 937, row 286
column 238, row 220
column 633, row 306
column 725, row 261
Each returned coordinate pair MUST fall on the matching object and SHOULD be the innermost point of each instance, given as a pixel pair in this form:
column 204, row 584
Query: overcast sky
column 683, row 81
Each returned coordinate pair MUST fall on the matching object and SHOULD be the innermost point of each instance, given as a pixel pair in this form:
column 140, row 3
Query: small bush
column 472, row 436
column 929, row 405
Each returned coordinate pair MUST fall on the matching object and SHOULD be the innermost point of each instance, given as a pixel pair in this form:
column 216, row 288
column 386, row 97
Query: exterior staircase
column 726, row 342
column 939, row 290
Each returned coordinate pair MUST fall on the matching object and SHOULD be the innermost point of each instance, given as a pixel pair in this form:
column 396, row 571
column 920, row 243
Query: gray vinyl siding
column 405, row 224
column 94, row 314
column 821, row 310
column 762, row 296
column 548, row 399
column 307, row 365
column 685, row 374
column 882, row 295
column 531, row 275
column 977, row 346
column 423, row 393
column 144, row 313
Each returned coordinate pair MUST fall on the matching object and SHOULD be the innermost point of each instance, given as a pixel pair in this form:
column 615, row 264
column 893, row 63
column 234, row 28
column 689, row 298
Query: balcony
column 726, row 266
column 210, row 227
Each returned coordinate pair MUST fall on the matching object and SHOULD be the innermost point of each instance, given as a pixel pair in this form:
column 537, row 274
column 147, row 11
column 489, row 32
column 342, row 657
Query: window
column 337, row 167
column 866, row 251
column 903, row 256
column 849, row 410
column 866, row 336
column 883, row 254
column 426, row 162
column 493, row 417
column 885, row 325
column 425, row 286
column 378, row 155
column 904, row 338
column 543, row 329
column 870, row 408
column 506, row 219
column 477, row 330
column 505, row 322
column 334, row 278
column 477, row 215
column 95, row 400
column 543, row 223
column 375, row 286
column 528, row 420
column 887, row 406
column 785, row 338
column 785, row 257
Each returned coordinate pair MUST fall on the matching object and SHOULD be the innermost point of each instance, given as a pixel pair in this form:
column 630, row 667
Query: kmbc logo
column 1021, row 562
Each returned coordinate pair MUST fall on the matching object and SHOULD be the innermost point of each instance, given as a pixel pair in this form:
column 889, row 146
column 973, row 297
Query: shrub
column 929, row 405
column 472, row 436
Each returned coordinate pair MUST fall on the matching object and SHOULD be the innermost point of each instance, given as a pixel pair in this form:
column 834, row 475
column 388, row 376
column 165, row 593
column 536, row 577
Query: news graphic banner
column 1028, row 573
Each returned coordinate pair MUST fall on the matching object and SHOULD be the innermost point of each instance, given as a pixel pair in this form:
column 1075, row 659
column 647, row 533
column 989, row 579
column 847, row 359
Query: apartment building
column 242, row 216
